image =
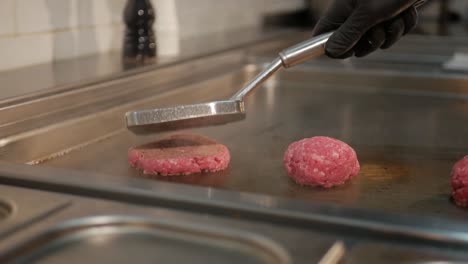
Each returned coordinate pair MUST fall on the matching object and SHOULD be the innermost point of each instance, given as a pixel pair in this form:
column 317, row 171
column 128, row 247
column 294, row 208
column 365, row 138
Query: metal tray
column 118, row 239
column 98, row 226
column 89, row 230
column 408, row 130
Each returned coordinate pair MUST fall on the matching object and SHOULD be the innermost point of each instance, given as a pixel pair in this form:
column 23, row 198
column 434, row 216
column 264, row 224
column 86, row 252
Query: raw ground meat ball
column 180, row 155
column 321, row 161
column 460, row 182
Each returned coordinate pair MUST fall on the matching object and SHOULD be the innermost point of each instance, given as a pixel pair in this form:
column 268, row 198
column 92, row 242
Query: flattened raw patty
column 460, row 182
column 321, row 161
column 181, row 154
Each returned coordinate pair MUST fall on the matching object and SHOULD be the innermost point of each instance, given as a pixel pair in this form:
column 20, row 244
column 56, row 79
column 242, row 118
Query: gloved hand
column 363, row 26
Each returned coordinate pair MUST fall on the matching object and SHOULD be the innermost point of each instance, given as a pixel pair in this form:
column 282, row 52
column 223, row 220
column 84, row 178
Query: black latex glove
column 363, row 26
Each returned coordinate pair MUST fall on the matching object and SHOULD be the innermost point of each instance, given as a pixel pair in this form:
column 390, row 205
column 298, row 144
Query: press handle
column 304, row 51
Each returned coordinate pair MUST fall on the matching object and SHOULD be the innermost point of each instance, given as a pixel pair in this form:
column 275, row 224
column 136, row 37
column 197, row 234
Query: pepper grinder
column 139, row 40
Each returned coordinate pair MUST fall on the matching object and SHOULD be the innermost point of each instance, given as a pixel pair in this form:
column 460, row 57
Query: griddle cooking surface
column 406, row 140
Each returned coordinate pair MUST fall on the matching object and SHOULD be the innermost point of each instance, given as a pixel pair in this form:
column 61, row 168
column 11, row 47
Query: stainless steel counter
column 407, row 124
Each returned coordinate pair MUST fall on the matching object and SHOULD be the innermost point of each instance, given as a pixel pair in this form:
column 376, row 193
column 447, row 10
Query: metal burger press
column 223, row 112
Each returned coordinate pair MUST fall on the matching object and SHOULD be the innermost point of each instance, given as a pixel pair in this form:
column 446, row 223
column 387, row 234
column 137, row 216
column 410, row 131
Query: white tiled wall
column 39, row 31
column 7, row 25
column 181, row 19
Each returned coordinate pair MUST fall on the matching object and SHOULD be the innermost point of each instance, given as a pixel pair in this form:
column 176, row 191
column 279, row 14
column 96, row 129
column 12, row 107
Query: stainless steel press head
column 185, row 116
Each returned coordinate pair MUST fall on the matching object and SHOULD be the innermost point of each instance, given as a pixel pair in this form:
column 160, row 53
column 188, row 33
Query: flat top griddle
column 407, row 138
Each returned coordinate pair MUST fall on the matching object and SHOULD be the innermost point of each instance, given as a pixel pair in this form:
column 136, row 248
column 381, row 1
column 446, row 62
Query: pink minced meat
column 321, row 161
column 460, row 182
column 180, row 155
